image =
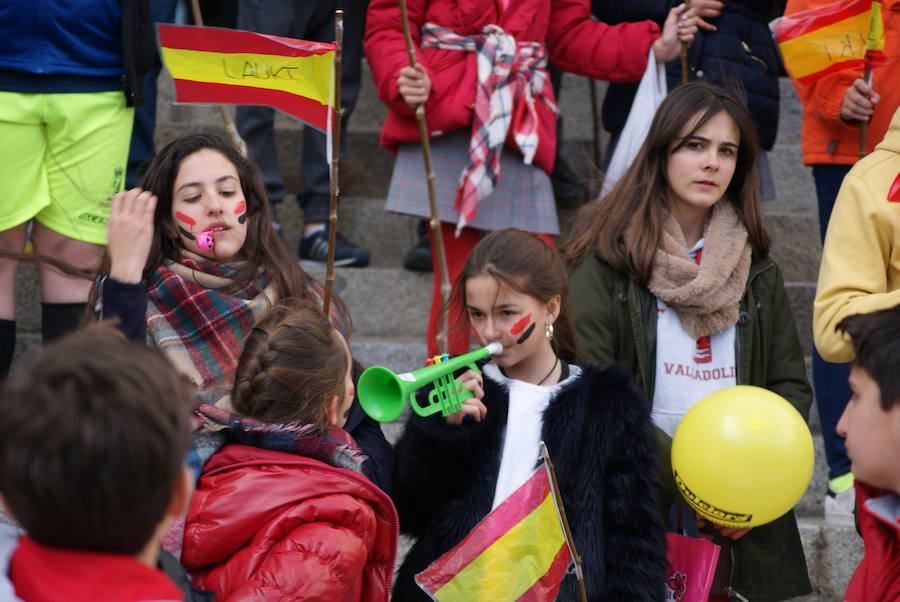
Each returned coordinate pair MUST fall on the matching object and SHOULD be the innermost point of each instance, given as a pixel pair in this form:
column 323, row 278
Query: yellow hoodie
column 860, row 270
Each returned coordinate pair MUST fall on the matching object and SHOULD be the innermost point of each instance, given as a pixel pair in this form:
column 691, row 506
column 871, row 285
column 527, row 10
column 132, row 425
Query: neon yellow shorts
column 62, row 156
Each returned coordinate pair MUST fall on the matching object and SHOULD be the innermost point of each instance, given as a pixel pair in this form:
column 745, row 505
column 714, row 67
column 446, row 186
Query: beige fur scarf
column 706, row 296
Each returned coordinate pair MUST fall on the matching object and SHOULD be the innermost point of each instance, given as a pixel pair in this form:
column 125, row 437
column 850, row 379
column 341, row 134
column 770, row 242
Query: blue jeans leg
column 142, row 149
column 830, row 380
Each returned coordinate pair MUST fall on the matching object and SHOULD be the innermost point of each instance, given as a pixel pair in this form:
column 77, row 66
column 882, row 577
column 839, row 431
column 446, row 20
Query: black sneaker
column 418, row 258
column 314, row 249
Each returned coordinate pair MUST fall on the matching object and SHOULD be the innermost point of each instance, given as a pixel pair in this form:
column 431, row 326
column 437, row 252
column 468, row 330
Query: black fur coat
column 598, row 433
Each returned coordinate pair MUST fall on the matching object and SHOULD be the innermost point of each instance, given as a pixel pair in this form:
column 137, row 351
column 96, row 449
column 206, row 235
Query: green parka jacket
column 615, row 319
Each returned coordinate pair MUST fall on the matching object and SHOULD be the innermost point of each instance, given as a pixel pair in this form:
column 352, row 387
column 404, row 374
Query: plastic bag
column 692, row 561
column 650, row 94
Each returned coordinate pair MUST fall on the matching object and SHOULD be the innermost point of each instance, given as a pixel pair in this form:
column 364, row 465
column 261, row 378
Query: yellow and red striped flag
column 212, row 65
column 517, row 552
column 843, row 35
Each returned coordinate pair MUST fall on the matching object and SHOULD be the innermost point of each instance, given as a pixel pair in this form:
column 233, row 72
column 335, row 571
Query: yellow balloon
column 742, row 456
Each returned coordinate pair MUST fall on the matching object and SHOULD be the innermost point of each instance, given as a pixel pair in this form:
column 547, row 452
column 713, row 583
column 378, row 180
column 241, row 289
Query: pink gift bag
column 692, row 561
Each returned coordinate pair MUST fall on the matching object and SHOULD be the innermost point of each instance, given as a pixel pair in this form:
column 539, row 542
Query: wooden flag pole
column 334, row 173
column 434, row 222
column 570, row 541
column 684, row 50
column 227, row 119
column 864, row 126
column 595, row 116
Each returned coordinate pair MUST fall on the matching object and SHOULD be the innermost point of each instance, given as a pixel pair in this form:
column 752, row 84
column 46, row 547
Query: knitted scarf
column 705, row 296
column 200, row 328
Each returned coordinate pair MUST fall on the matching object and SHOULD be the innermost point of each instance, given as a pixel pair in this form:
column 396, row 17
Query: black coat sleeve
column 632, row 523
column 614, row 12
column 366, row 431
column 431, row 461
column 125, row 302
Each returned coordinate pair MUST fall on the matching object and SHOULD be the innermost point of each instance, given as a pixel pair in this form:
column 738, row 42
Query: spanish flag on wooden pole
column 520, row 551
column 838, row 36
column 212, row 65
column 302, row 78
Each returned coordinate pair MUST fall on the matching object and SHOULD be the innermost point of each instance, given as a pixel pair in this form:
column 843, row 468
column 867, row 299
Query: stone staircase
column 389, row 305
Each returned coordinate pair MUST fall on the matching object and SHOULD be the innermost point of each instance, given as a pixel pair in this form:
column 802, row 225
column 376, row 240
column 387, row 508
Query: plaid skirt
column 522, row 199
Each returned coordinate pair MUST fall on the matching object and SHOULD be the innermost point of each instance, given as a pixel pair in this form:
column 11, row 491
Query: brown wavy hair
column 627, row 223
column 263, row 249
column 292, row 365
column 526, row 264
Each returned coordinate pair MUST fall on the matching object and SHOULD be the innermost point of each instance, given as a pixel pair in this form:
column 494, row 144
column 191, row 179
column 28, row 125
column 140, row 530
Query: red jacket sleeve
column 386, row 49
column 615, row 53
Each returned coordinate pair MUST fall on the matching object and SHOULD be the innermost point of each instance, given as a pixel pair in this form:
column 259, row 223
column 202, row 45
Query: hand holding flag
column 520, row 551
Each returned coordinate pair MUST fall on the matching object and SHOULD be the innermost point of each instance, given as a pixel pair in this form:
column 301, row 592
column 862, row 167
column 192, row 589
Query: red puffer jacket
column 268, row 525
column 878, row 575
column 574, row 43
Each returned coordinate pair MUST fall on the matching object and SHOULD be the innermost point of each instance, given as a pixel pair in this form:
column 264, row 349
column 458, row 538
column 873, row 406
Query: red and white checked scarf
column 508, row 72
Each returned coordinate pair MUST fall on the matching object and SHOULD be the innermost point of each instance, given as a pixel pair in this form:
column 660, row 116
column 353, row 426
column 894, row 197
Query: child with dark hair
column 93, row 435
column 871, row 425
column 282, row 511
column 450, row 472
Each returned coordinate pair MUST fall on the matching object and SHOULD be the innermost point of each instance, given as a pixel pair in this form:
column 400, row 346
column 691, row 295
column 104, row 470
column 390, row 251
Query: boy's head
column 871, row 420
column 93, row 433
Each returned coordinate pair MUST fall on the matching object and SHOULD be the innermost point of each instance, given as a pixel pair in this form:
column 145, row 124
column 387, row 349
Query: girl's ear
column 553, row 308
column 333, row 410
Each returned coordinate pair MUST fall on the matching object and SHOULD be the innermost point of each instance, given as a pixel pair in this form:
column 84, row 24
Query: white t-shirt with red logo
column 687, row 369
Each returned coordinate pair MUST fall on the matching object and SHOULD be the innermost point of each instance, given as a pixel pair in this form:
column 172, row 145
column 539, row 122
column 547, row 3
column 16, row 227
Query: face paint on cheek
column 241, row 212
column 526, row 334
column 186, row 234
column 520, row 325
column 185, row 218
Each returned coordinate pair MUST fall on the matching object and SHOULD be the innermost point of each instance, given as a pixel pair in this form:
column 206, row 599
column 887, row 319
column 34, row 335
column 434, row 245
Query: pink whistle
column 205, row 240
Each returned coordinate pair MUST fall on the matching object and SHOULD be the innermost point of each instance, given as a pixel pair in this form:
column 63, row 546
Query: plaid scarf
column 200, row 328
column 509, row 72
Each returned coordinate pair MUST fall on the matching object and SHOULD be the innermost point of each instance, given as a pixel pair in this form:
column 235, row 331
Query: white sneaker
column 840, row 507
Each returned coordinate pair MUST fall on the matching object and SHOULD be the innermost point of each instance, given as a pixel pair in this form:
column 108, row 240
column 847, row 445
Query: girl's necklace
column 549, row 373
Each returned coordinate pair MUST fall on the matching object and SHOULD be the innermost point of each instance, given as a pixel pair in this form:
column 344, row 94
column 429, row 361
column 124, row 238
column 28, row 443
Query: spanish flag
column 517, row 552
column 843, row 35
column 211, row 65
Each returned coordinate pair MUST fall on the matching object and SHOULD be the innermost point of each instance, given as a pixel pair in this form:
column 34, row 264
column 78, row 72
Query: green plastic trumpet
column 382, row 394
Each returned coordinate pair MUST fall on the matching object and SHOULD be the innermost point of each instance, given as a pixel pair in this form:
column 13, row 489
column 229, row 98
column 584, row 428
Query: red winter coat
column 878, row 575
column 268, row 525
column 574, row 43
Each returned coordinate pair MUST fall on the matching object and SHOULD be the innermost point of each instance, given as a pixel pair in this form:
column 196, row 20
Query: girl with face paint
column 452, row 471
column 193, row 264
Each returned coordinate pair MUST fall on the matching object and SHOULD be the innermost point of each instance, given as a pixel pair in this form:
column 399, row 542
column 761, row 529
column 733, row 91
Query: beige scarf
column 706, row 296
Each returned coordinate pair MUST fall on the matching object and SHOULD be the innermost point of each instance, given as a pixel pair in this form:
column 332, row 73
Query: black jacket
column 598, row 432
column 740, row 54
